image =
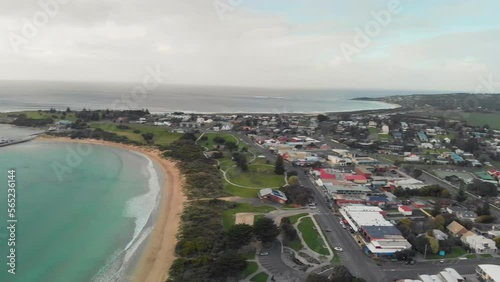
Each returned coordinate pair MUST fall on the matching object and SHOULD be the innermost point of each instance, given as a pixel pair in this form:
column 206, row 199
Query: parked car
column 338, row 249
column 262, row 253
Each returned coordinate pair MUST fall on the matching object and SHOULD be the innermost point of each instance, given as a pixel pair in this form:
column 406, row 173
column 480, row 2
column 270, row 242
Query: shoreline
column 159, row 253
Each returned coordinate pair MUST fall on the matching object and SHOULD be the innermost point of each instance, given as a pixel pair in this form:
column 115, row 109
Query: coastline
column 159, row 251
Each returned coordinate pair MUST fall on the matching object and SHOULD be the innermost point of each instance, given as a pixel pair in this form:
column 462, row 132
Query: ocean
column 35, row 95
column 78, row 218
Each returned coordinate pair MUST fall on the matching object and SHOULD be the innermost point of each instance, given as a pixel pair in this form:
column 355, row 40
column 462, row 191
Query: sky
column 447, row 45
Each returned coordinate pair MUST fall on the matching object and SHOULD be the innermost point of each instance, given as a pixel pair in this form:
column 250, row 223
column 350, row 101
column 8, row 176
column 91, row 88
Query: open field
column 210, row 144
column 43, row 115
column 245, row 218
column 241, row 192
column 311, row 236
column 295, row 218
column 162, row 136
column 229, row 216
column 257, row 176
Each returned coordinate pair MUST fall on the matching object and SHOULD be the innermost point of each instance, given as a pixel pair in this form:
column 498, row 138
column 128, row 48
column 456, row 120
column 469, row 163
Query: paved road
column 401, row 271
column 275, row 265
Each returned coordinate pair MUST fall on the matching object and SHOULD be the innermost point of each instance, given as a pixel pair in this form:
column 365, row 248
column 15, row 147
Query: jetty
column 4, row 141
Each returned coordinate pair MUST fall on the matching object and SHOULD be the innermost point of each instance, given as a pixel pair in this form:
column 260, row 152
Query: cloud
column 254, row 45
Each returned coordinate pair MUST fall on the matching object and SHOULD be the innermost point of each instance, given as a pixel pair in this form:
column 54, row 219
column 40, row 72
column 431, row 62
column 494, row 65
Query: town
column 371, row 192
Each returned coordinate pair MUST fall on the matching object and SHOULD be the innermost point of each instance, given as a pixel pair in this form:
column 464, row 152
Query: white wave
column 141, row 208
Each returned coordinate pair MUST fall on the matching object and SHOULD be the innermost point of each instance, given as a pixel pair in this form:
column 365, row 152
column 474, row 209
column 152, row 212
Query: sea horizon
column 43, row 95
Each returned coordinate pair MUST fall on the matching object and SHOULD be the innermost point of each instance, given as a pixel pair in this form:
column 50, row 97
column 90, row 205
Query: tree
column 229, row 264
column 148, row 137
column 437, row 207
column 405, row 255
column 484, row 209
column 297, row 195
column 279, row 166
column 445, row 194
column 434, row 243
column 293, row 180
column 265, row 229
column 461, row 195
column 322, row 118
column 231, row 146
column 239, row 235
column 485, row 219
column 68, row 110
column 417, row 173
column 313, row 277
column 219, row 140
column 340, row 274
column 497, row 241
column 420, row 243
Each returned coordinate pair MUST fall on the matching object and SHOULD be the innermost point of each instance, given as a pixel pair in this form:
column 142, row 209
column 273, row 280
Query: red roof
column 354, row 177
column 326, row 175
column 405, row 208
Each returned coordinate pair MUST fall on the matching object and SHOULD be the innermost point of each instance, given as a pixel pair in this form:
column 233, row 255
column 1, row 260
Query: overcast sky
column 436, row 45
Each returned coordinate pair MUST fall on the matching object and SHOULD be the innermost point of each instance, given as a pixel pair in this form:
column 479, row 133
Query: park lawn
column 311, row 236
column 257, row 176
column 162, row 136
column 455, row 252
column 210, row 144
column 295, row 245
column 251, row 268
column 485, row 255
column 241, row 192
column 260, row 277
column 295, row 218
column 44, row 114
column 471, row 256
column 373, row 130
column 492, row 119
column 228, row 216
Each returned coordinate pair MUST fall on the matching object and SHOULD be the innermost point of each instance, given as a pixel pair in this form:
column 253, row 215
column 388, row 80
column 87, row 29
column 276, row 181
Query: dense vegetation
column 203, row 179
column 23, row 120
column 207, row 252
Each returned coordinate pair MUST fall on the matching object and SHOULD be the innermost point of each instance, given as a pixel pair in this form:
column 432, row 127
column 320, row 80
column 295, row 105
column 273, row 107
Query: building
column 462, row 213
column 456, row 229
column 447, row 275
column 439, row 235
column 269, row 194
column 381, row 237
column 405, row 210
column 479, row 243
column 363, row 170
column 488, row 272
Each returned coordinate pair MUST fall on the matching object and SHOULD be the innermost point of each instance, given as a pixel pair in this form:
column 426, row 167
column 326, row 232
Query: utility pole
column 425, row 251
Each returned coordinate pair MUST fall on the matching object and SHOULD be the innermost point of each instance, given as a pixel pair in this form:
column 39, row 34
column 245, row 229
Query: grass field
column 249, row 270
column 261, row 277
column 295, row 245
column 295, row 218
column 241, row 192
column 162, row 136
column 493, row 119
column 455, row 252
column 257, row 176
column 210, row 144
column 228, row 217
column 42, row 115
column 311, row 236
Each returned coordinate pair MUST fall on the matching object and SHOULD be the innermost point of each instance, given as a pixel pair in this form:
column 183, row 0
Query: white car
column 338, row 249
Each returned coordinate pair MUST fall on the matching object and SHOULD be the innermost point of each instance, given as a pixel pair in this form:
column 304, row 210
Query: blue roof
column 381, row 231
column 377, row 199
column 422, row 136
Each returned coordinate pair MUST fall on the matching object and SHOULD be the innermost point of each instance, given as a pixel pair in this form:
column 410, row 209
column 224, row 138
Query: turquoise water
column 76, row 216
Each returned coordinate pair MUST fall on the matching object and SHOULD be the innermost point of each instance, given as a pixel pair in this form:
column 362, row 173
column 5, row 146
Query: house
column 488, row 272
column 363, row 171
column 481, row 244
column 269, row 194
column 462, row 213
column 439, row 235
column 456, row 229
column 358, row 179
column 405, row 210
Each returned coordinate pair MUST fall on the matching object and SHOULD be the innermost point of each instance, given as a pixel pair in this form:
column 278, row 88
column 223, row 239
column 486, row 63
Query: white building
column 479, row 243
column 488, row 272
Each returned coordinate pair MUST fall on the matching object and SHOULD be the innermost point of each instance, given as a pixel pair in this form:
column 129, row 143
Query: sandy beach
column 159, row 253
